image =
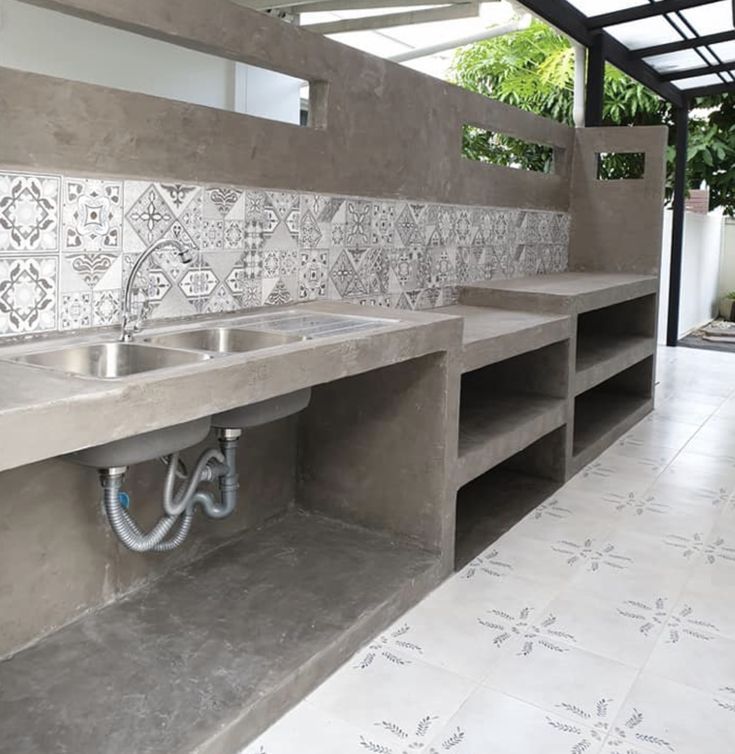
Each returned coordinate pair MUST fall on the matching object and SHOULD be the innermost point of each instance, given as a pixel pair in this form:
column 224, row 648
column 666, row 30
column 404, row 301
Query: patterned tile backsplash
column 67, row 245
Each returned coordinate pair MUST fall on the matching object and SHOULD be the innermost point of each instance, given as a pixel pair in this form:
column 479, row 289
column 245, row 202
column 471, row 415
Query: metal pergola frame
column 592, row 32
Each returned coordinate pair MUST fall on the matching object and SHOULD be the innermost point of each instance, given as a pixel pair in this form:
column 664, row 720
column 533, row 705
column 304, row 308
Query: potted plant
column 727, row 306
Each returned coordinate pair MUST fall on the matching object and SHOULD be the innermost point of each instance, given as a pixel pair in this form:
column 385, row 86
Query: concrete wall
column 616, row 225
column 381, row 130
column 700, row 275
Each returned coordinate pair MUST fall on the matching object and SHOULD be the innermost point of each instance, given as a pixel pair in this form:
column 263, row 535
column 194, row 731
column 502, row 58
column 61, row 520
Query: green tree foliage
column 534, row 70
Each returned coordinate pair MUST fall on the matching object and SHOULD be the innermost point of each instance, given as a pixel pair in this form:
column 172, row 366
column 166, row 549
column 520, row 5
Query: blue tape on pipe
column 124, row 500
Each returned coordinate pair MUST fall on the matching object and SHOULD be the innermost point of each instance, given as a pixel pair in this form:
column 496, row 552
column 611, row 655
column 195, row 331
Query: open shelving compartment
column 491, row 504
column 512, row 443
column 506, row 406
column 607, row 410
column 612, row 339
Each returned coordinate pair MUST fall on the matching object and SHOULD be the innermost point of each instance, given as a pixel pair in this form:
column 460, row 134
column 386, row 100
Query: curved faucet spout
column 129, row 325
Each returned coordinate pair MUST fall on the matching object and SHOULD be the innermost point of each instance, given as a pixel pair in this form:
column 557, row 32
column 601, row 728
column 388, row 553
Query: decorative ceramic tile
column 294, row 247
column 75, row 310
column 313, row 276
column 92, row 215
column 28, row 294
column 29, row 213
column 150, row 216
column 105, row 308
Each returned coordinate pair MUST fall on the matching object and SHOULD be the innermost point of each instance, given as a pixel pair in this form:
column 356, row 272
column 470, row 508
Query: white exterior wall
column 700, row 289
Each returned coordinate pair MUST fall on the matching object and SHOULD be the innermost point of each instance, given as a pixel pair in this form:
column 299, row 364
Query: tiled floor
column 603, row 622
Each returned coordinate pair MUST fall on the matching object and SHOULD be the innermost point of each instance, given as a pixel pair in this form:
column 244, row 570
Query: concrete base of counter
column 210, row 655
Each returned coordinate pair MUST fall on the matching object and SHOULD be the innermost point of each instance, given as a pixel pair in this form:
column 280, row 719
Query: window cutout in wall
column 42, row 41
column 494, row 148
column 621, row 166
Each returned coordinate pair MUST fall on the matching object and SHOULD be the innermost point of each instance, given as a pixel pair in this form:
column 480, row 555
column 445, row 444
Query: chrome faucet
column 129, row 325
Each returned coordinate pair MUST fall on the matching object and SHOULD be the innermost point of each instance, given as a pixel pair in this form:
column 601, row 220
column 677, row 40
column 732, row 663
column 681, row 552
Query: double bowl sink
column 112, row 360
column 115, row 359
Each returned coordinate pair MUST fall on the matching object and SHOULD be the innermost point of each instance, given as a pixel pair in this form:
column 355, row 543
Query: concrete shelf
column 491, row 335
column 490, row 505
column 600, row 357
column 609, row 409
column 211, row 654
column 494, row 429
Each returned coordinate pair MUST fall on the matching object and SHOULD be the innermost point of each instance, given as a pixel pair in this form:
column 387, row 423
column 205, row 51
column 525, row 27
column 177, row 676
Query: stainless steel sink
column 109, row 361
column 222, row 340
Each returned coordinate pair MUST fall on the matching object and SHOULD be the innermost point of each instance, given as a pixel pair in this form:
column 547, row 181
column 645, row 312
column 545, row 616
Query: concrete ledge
column 563, row 293
column 212, row 654
column 491, row 335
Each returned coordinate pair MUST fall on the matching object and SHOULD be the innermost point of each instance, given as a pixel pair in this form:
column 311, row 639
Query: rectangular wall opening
column 621, row 166
column 38, row 40
column 493, row 148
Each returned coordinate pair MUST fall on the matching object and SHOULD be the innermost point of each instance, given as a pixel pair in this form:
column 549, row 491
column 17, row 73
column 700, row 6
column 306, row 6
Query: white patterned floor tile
column 308, row 731
column 549, row 672
column 688, row 651
column 381, row 693
column 666, row 717
column 493, row 723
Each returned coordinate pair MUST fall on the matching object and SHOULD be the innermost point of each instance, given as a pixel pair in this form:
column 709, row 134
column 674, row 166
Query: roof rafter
column 640, row 12
column 684, row 44
column 690, row 73
column 568, row 19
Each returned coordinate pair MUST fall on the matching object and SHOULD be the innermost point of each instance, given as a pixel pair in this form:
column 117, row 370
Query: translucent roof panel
column 594, row 7
column 708, row 19
column 661, row 29
column 711, row 79
column 677, row 61
column 725, row 51
column 644, row 33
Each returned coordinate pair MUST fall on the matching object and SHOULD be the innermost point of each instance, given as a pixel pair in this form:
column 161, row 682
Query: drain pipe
column 212, row 465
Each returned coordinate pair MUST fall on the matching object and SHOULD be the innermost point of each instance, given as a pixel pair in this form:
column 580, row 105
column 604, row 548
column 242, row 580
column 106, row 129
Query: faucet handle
column 186, row 255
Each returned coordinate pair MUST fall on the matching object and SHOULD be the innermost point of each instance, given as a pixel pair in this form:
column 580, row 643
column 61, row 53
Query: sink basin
column 145, row 447
column 222, row 340
column 109, row 361
column 263, row 412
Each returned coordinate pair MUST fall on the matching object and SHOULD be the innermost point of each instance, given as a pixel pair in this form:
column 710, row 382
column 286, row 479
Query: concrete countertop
column 45, row 413
column 491, row 334
column 564, row 293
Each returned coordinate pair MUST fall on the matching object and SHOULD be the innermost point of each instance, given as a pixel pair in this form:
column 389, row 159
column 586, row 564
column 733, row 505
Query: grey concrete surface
column 491, row 334
column 43, row 414
column 564, row 293
column 379, row 449
column 372, row 138
column 210, row 655
column 617, row 225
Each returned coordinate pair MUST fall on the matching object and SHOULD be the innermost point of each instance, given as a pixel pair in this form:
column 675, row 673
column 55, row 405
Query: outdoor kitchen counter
column 46, row 413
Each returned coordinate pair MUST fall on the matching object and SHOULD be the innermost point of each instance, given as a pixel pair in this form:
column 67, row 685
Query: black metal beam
column 684, row 44
column 595, row 88
column 703, row 70
column 710, row 91
column 640, row 12
column 568, row 19
column 677, row 225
